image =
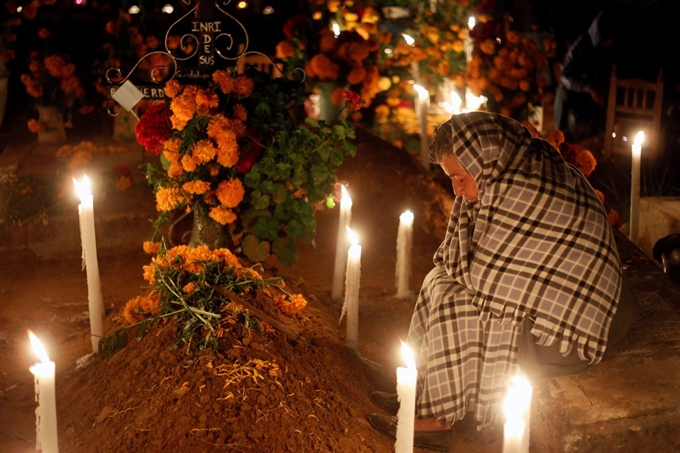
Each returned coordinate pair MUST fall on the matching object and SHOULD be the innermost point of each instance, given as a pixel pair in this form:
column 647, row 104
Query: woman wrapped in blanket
column 527, row 280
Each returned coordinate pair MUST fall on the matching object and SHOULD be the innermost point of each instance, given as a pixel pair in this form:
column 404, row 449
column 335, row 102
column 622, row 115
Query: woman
column 528, row 278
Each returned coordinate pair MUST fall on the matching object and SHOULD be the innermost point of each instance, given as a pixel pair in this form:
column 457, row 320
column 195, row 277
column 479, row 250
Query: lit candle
column 46, row 413
column 351, row 304
column 406, row 391
column 89, row 245
column 517, row 409
column 423, row 106
column 635, row 187
column 467, row 42
column 341, row 245
column 404, row 246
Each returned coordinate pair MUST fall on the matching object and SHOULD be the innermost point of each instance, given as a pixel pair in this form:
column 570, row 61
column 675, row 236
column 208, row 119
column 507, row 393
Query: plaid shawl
column 537, row 244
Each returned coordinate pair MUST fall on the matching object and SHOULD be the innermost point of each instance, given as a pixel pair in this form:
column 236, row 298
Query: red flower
column 291, row 26
column 247, row 159
column 153, row 129
column 354, row 99
column 569, row 152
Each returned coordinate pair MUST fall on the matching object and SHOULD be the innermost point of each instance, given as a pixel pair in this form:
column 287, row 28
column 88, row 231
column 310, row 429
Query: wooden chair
column 261, row 61
column 633, row 105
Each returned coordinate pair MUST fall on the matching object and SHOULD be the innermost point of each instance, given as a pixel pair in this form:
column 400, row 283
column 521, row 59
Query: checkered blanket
column 537, row 244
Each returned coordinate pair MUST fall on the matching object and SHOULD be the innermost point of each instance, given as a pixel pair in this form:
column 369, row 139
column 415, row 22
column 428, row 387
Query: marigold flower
column 172, row 88
column 189, row 164
column 356, row 75
column 151, row 248
column 222, row 216
column 324, row 67
column 203, row 151
column 291, row 305
column 240, row 113
column 122, row 184
column 585, row 162
column 196, row 187
column 224, row 81
column 230, row 192
column 44, row 33
column 243, row 85
column 285, row 49
column 189, row 288
column 169, row 198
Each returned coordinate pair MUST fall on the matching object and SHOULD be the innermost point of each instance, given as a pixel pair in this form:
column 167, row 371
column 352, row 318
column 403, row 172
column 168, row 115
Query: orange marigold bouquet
column 241, row 151
column 334, row 46
column 510, row 69
column 182, row 284
column 52, row 81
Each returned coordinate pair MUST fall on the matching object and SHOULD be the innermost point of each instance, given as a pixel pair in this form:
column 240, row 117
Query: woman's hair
column 441, row 144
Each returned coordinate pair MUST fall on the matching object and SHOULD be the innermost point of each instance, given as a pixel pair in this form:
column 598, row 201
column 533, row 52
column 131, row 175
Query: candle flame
column 409, row 40
column 518, row 399
column 351, row 235
column 406, row 216
column 422, row 91
column 639, row 138
column 336, row 29
column 407, row 354
column 82, row 188
column 38, row 347
column 471, row 22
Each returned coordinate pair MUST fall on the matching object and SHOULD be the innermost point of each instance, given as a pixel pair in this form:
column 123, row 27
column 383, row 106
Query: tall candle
column 404, row 247
column 89, row 245
column 351, row 304
column 635, row 187
column 341, row 244
column 406, row 391
column 517, row 409
column 423, row 107
column 46, row 439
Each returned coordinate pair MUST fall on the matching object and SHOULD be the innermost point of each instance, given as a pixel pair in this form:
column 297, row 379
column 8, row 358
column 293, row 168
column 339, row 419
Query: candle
column 423, row 106
column 517, row 409
column 89, row 245
column 635, row 187
column 467, row 42
column 341, row 244
column 406, row 391
column 351, row 304
column 46, row 413
column 404, row 246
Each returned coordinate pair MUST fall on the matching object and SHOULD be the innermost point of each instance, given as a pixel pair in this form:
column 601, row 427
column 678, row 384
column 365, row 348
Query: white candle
column 423, row 106
column 406, row 391
column 635, row 187
column 404, row 247
column 351, row 304
column 517, row 414
column 341, row 245
column 89, row 245
column 46, row 413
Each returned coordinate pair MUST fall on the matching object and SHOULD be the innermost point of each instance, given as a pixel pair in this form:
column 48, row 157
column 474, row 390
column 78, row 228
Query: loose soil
column 266, row 393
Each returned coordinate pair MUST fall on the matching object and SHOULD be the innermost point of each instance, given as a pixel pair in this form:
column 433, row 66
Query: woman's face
column 464, row 184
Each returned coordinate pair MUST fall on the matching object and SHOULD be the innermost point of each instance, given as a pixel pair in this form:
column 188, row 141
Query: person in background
column 528, row 279
column 583, row 81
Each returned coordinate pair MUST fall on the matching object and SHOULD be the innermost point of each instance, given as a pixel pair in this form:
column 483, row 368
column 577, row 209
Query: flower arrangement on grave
column 509, row 69
column 346, row 57
column 52, row 82
column 204, row 290
column 239, row 150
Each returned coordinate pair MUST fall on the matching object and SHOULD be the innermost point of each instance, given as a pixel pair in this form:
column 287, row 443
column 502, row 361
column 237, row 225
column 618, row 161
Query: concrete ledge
column 630, row 401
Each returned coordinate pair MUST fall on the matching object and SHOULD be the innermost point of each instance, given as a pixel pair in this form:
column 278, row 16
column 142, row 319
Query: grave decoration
column 235, row 148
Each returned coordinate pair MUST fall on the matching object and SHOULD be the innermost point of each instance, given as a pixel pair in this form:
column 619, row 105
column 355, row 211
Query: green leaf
column 285, row 251
column 267, row 228
column 165, row 163
column 255, row 249
column 280, row 193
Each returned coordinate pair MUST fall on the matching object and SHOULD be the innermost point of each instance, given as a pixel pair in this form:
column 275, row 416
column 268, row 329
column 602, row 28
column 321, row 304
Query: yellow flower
column 203, row 151
column 224, row 80
column 230, row 192
column 189, row 288
column 189, row 163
